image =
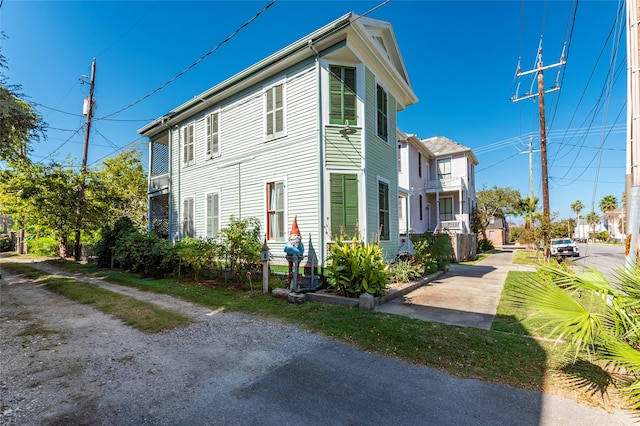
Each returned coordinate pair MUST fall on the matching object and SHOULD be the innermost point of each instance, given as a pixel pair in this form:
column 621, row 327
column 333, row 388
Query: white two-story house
column 437, row 185
column 308, row 132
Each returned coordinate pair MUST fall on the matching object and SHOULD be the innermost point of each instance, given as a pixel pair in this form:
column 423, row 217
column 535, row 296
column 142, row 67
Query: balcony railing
column 451, row 224
column 439, row 185
column 157, row 183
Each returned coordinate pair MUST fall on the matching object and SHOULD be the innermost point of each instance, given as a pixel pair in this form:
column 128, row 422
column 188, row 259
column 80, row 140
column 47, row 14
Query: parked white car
column 564, row 247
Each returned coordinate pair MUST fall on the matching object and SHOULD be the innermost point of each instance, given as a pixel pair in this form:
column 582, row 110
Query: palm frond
column 580, row 324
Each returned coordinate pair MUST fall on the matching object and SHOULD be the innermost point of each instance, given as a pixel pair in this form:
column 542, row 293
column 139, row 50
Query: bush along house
column 308, row 133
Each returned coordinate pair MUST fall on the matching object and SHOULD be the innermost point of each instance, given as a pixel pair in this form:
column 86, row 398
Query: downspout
column 149, row 204
column 321, row 234
column 176, row 128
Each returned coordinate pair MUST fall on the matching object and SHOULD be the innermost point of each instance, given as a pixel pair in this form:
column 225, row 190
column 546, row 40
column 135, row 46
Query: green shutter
column 342, row 94
column 344, row 204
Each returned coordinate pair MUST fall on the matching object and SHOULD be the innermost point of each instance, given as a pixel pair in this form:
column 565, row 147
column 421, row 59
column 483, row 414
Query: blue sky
column 461, row 57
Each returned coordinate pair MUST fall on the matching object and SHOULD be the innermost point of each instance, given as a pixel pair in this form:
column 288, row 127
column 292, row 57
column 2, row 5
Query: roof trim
column 201, row 101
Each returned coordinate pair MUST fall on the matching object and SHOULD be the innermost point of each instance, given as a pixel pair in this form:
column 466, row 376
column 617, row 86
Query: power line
column 203, row 57
column 57, row 110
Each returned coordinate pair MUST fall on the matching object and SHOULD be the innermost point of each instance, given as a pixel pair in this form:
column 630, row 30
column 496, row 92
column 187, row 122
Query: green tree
column 596, row 315
column 495, row 202
column 593, row 219
column 577, row 207
column 608, row 204
column 42, row 199
column 20, row 123
column 120, row 188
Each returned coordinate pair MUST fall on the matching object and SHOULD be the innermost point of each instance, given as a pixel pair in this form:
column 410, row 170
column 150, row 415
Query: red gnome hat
column 294, row 226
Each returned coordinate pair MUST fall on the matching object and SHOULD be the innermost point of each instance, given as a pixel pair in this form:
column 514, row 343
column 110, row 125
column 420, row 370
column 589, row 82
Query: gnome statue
column 294, row 249
column 294, row 245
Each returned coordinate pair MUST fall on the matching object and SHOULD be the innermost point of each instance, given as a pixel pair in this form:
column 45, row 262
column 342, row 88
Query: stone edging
column 394, row 292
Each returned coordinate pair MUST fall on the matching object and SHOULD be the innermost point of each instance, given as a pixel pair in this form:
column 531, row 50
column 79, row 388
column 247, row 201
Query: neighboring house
column 309, row 132
column 614, row 223
column 584, row 230
column 437, row 189
column 437, row 182
column 498, row 231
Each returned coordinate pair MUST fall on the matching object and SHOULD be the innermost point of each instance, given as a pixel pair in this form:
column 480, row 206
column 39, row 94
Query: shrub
column 5, row 243
column 144, row 254
column 240, row 244
column 404, row 271
column 433, row 251
column 42, row 246
column 485, row 245
column 193, row 253
column 110, row 237
column 355, row 268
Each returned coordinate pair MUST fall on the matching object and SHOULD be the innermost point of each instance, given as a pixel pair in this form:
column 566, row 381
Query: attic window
column 379, row 40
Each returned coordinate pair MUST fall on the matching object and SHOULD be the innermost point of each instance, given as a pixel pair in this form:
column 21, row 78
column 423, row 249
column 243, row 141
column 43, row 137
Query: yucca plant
column 355, row 267
column 404, row 271
column 594, row 314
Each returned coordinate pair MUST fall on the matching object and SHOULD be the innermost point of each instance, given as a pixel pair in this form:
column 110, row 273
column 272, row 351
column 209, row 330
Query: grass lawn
column 510, row 353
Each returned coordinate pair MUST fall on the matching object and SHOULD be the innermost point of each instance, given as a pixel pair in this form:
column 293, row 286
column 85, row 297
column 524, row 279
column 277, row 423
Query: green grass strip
column 460, row 351
column 139, row 314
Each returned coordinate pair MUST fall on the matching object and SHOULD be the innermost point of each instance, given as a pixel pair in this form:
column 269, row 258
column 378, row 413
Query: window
column 342, row 96
column 419, row 165
column 400, row 214
column 492, row 234
column 420, row 205
column 445, row 206
column 275, row 210
column 381, row 102
column 344, row 204
column 444, row 168
column 213, row 135
column 399, row 158
column 383, row 210
column 188, row 227
column 213, row 214
column 187, row 143
column 492, row 220
column 274, row 111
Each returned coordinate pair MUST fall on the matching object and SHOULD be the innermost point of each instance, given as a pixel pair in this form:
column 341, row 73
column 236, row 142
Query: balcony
column 158, row 183
column 433, row 186
column 451, row 225
column 159, row 165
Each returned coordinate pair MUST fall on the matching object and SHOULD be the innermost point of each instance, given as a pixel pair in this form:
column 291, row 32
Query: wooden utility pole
column 546, row 220
column 543, row 139
column 88, row 110
column 632, row 178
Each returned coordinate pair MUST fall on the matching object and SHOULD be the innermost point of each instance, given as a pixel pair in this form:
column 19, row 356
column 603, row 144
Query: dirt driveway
column 63, row 363
column 79, row 366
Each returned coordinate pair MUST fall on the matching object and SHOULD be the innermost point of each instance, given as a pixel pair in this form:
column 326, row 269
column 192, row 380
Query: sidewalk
column 466, row 295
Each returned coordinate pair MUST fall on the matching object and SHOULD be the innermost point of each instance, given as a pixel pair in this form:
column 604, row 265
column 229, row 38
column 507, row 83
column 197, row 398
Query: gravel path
column 87, row 368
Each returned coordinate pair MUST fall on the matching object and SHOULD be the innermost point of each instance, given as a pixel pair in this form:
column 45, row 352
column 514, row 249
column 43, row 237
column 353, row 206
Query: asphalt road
column 606, row 258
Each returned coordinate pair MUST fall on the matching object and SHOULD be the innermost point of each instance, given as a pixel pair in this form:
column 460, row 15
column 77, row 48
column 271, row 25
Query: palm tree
column 592, row 313
column 577, row 207
column 593, row 219
column 608, row 204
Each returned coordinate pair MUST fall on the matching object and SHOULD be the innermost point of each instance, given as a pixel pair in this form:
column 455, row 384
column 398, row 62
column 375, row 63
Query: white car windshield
column 567, row 241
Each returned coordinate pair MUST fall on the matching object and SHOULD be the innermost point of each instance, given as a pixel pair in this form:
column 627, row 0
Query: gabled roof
column 441, row 146
column 372, row 39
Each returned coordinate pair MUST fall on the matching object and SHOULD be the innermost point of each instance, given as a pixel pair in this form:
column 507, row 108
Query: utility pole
column 632, row 178
column 88, row 111
column 543, row 138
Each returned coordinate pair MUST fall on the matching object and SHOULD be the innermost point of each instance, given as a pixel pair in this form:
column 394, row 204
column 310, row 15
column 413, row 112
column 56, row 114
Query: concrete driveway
column 466, row 295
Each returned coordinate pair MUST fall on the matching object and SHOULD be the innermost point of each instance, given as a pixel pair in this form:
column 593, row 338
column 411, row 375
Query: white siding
column 247, row 161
